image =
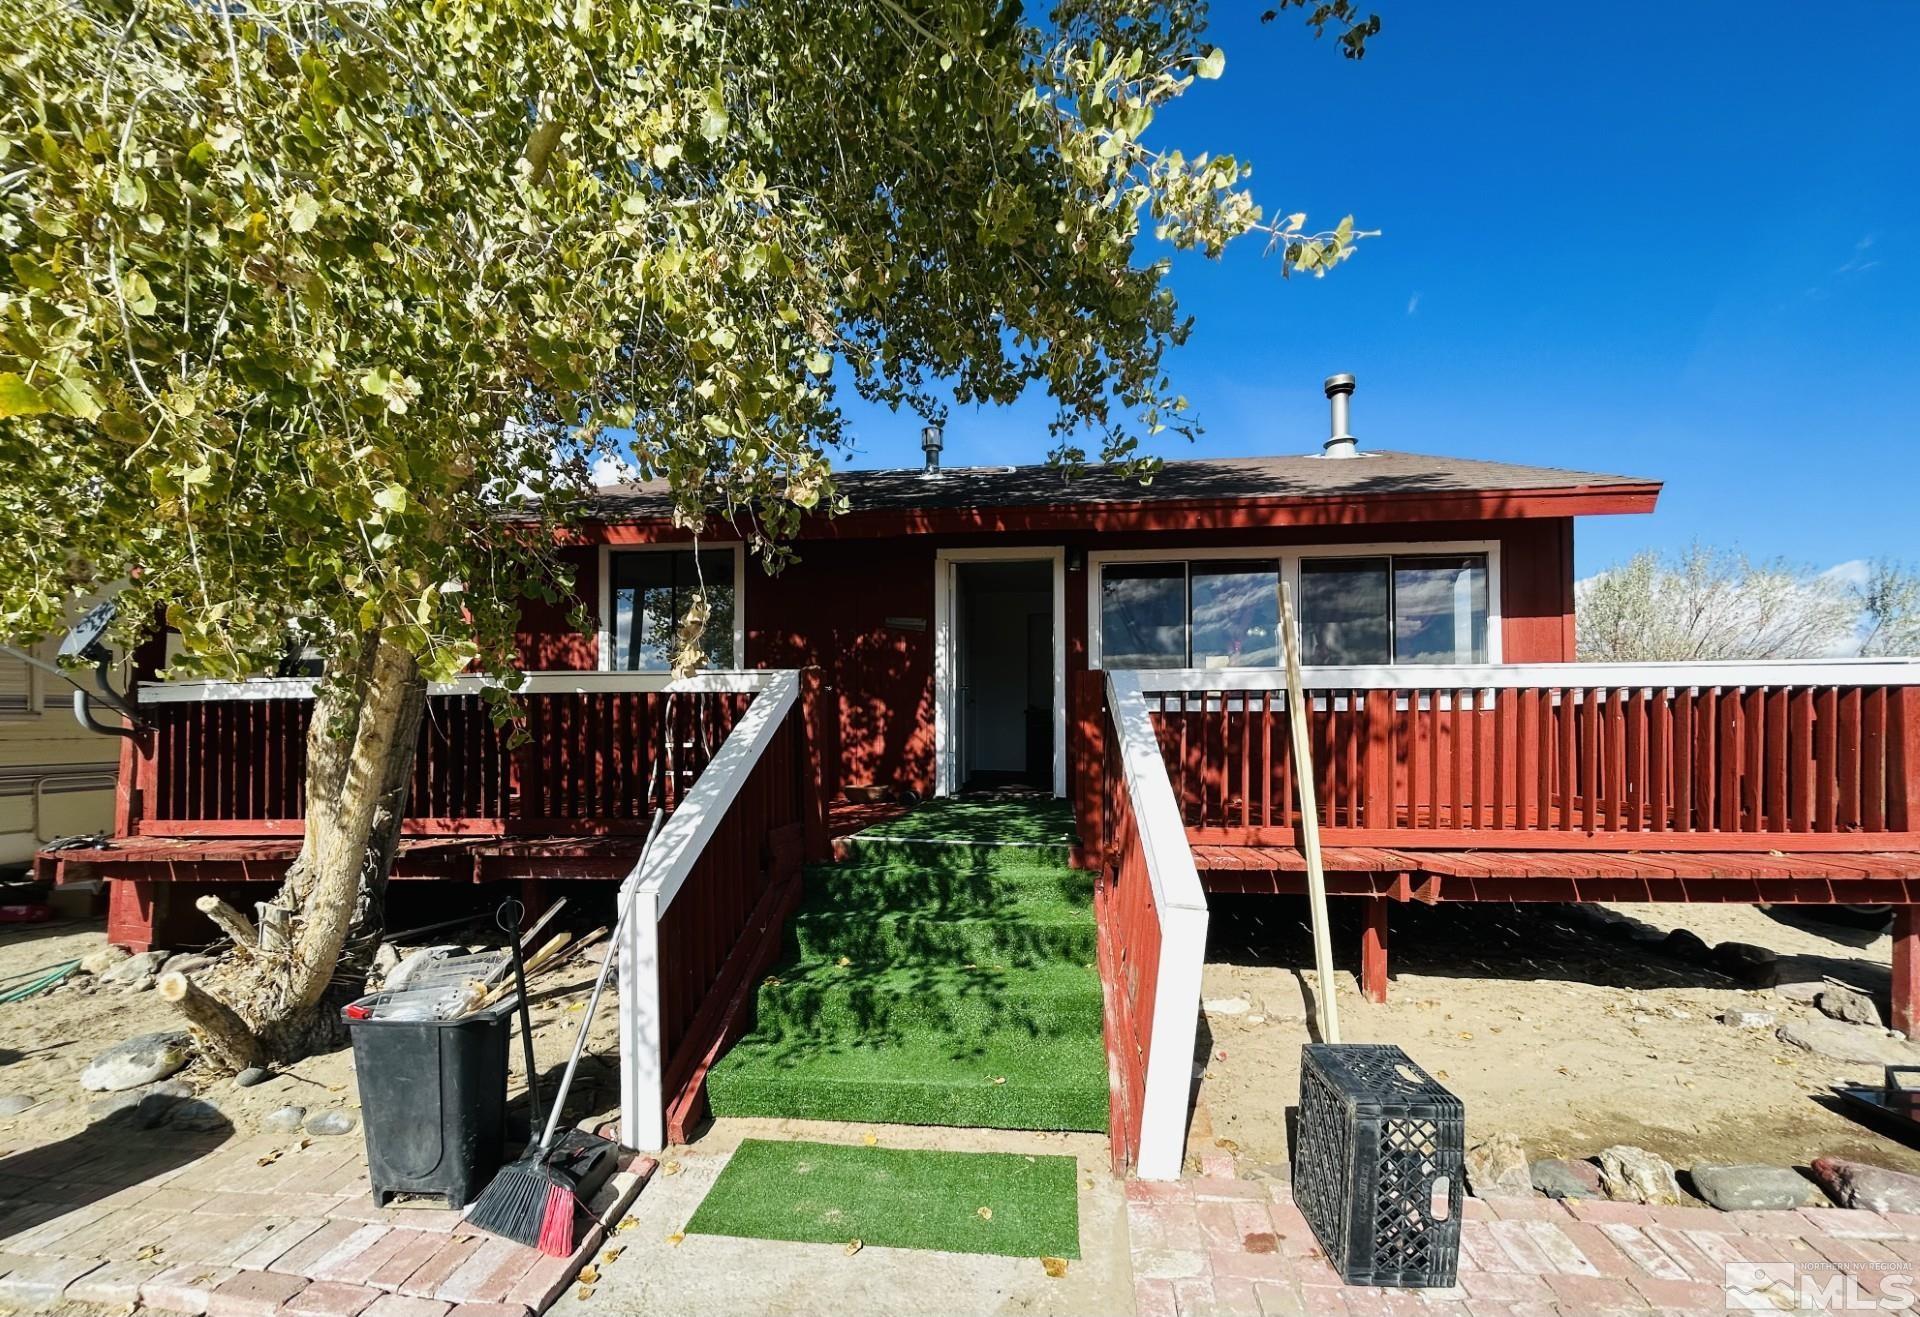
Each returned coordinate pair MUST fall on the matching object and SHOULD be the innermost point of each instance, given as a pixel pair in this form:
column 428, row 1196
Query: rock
column 1226, row 1005
column 187, row 962
column 1847, row 1042
column 1634, row 1175
column 252, row 1075
column 12, row 1104
column 1803, row 991
column 1497, row 1168
column 386, row 958
column 137, row 1061
column 1871, row 1188
column 284, row 1120
column 143, row 1108
column 147, row 963
column 198, row 1115
column 139, row 983
column 1837, row 1003
column 331, row 1122
column 1748, row 963
column 1565, row 1177
column 1754, row 1188
column 1686, row 944
column 99, row 962
column 1736, row 1018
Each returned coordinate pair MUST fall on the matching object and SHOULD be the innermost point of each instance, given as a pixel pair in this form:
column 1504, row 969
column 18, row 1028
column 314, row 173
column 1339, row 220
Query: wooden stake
column 1309, row 821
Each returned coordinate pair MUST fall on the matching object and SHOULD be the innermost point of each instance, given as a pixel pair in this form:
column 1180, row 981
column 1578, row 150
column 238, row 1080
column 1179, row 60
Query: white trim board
column 603, row 633
column 946, row 770
column 563, row 682
column 652, row 885
column 1290, row 557
column 1747, row 674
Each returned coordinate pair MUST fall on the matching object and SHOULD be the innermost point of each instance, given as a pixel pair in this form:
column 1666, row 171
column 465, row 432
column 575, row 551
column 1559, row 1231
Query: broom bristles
column 556, row 1227
column 514, row 1206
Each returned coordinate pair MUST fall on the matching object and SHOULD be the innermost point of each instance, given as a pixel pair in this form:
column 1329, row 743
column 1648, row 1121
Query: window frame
column 603, row 639
column 1290, row 558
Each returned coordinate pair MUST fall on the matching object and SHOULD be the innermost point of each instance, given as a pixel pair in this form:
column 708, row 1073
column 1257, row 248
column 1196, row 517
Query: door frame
column 945, row 632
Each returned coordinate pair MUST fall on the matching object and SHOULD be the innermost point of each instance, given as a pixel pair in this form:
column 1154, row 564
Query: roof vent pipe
column 932, row 440
column 1340, row 443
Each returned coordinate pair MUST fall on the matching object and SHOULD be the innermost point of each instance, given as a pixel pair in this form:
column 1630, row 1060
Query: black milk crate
column 1377, row 1164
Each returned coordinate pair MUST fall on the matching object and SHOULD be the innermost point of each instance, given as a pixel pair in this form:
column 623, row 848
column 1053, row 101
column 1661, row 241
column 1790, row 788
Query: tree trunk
column 360, row 749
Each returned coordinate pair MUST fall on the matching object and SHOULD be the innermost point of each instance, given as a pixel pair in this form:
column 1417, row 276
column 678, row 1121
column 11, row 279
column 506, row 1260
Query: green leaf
column 19, row 398
column 138, row 293
column 391, row 498
column 31, row 273
column 1212, row 64
column 303, row 212
column 664, row 154
column 820, row 363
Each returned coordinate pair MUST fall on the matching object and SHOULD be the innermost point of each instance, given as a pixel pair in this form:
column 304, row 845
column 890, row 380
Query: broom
column 533, row 1200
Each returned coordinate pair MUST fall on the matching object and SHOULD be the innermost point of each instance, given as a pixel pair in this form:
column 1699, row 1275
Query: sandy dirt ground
column 1547, row 1026
column 46, row 1041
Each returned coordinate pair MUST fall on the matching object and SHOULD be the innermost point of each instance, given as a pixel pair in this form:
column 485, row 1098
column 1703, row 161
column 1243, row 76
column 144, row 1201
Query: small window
column 1143, row 615
column 19, row 689
column 1440, row 609
column 650, row 591
column 1236, row 614
column 1344, row 607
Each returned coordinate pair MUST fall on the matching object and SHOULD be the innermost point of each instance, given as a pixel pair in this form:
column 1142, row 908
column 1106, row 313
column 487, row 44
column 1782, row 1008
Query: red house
column 1116, row 643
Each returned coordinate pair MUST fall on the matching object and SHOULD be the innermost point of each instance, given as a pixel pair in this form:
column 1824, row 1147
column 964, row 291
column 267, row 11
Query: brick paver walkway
column 246, row 1227
column 1228, row 1246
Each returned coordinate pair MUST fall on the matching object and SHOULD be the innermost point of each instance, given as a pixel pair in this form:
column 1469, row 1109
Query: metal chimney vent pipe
column 1340, row 442
column 932, row 440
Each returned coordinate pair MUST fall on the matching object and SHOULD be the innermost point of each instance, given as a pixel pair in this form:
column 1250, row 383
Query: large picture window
column 649, row 591
column 1353, row 610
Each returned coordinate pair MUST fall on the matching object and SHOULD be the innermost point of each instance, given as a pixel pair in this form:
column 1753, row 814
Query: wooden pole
column 1309, row 821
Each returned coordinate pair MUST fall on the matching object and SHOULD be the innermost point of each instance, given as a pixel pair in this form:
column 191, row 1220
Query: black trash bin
column 433, row 1100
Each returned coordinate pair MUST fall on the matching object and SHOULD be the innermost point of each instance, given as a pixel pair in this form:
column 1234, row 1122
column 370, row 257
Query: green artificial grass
column 984, row 819
column 935, row 983
column 824, row 1193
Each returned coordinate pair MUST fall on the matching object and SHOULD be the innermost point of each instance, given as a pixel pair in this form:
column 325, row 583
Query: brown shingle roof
column 1214, row 479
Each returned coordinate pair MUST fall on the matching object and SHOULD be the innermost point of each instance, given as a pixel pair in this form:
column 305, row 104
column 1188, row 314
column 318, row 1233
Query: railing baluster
column 1873, row 760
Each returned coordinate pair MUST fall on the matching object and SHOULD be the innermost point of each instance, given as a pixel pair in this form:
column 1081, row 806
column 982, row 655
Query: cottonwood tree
column 1706, row 604
column 318, row 311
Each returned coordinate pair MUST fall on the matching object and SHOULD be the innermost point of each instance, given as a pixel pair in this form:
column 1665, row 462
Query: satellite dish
column 83, row 642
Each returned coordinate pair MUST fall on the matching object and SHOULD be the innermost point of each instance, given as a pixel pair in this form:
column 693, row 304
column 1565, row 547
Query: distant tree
column 1889, row 602
column 1706, row 604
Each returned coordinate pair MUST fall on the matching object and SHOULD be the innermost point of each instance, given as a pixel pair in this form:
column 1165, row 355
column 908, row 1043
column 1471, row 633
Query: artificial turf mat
column 946, row 982
column 1020, row 821
column 828, row 1193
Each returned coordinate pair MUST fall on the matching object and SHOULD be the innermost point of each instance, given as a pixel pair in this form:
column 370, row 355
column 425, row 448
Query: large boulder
column 143, row 1060
column 1840, row 1041
column 1754, row 1188
column 1872, row 1188
column 1497, row 1168
column 1634, row 1175
column 1748, row 963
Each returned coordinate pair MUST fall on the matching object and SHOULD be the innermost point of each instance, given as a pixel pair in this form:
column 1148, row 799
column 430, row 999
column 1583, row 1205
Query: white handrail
column 651, row 887
column 562, row 682
column 1524, row 676
column 1180, row 904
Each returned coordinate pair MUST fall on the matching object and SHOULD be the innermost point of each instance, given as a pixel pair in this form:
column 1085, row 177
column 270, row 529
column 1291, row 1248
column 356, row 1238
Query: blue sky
column 1611, row 239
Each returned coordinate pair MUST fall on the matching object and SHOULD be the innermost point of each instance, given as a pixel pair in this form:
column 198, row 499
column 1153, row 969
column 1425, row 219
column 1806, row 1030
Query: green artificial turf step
column 932, row 980
column 957, row 1202
column 997, row 1083
column 808, row 1000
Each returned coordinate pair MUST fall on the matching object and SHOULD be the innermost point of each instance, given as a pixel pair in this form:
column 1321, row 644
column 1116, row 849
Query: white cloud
column 1413, row 303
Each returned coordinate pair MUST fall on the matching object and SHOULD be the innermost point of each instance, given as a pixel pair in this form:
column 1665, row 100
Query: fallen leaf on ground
column 612, row 1254
column 675, row 1238
column 148, row 1253
column 1055, row 1267
column 584, row 1292
column 669, row 1168
column 589, row 1274
column 854, row 1246
column 627, row 1223
column 869, row 1139
column 999, row 1079
column 984, row 1213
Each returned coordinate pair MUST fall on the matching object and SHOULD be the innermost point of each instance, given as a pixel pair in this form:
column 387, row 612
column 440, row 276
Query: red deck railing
column 233, row 764
column 1129, row 952
column 1720, row 757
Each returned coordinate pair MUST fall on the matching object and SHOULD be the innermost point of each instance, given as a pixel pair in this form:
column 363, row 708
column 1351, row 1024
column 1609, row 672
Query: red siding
column 831, row 609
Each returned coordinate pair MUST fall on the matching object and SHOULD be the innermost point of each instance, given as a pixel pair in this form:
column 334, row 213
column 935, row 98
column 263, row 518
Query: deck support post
column 1373, row 952
column 1905, row 1011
